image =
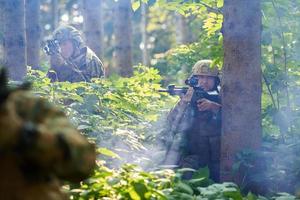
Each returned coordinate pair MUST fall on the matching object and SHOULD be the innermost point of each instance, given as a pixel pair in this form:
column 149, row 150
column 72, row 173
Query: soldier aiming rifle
column 195, row 122
column 70, row 59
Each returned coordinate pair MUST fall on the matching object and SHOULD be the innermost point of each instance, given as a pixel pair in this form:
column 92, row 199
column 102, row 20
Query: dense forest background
column 146, row 45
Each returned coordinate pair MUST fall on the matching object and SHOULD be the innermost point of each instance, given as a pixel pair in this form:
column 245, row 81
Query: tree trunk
column 241, row 84
column 122, row 31
column 55, row 14
column 92, row 25
column 1, row 31
column 144, row 22
column 182, row 34
column 14, row 39
column 182, row 29
column 33, row 31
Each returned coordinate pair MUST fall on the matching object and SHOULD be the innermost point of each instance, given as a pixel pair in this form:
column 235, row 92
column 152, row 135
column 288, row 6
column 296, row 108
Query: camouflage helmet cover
column 64, row 33
column 204, row 67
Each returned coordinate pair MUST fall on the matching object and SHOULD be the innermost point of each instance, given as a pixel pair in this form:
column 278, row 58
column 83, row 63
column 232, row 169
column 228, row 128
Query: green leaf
column 140, row 188
column 199, row 182
column 201, row 173
column 232, row 193
column 107, row 152
column 134, row 195
column 181, row 11
column 183, row 188
column 183, row 196
column 183, row 170
column 135, row 5
column 220, row 3
column 161, row 2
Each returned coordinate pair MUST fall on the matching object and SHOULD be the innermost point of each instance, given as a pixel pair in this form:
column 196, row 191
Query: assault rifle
column 198, row 93
column 175, row 91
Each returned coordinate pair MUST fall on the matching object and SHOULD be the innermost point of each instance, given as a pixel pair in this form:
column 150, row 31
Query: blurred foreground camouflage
column 39, row 147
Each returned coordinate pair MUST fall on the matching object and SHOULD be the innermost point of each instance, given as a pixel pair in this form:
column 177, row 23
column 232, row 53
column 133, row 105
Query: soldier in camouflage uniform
column 76, row 62
column 38, row 147
column 196, row 142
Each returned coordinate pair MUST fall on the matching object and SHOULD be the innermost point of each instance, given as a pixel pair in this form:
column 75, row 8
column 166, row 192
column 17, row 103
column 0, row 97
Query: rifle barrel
column 175, row 91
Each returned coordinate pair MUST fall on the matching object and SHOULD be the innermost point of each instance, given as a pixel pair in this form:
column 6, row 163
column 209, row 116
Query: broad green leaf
column 184, row 188
column 107, row 152
column 133, row 194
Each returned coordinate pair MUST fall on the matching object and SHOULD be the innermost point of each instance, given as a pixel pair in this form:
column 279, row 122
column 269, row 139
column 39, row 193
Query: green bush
column 117, row 113
column 125, row 110
column 132, row 183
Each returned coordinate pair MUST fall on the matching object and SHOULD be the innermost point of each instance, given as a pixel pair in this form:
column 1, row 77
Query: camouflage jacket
column 183, row 126
column 182, row 118
column 38, row 147
column 82, row 67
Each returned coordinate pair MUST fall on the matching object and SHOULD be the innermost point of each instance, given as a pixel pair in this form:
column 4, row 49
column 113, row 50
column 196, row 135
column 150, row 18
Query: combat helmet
column 65, row 32
column 205, row 67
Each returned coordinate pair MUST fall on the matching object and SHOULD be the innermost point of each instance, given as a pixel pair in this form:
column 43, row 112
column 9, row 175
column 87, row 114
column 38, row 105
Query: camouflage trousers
column 201, row 152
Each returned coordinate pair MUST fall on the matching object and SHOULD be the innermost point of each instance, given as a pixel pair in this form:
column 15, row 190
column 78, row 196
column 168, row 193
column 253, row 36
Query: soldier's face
column 67, row 48
column 206, row 82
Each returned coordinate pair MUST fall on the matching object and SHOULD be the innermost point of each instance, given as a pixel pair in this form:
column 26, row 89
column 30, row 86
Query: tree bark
column 33, row 32
column 182, row 34
column 55, row 14
column 122, row 32
column 182, row 29
column 241, row 84
column 144, row 22
column 1, row 31
column 14, row 39
column 92, row 25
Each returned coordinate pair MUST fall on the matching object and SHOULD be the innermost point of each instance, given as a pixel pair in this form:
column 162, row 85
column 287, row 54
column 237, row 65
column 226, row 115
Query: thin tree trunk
column 14, row 39
column 182, row 29
column 241, row 84
column 1, row 31
column 55, row 15
column 182, row 34
column 144, row 22
column 33, row 32
column 122, row 32
column 92, row 25
column 285, row 56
